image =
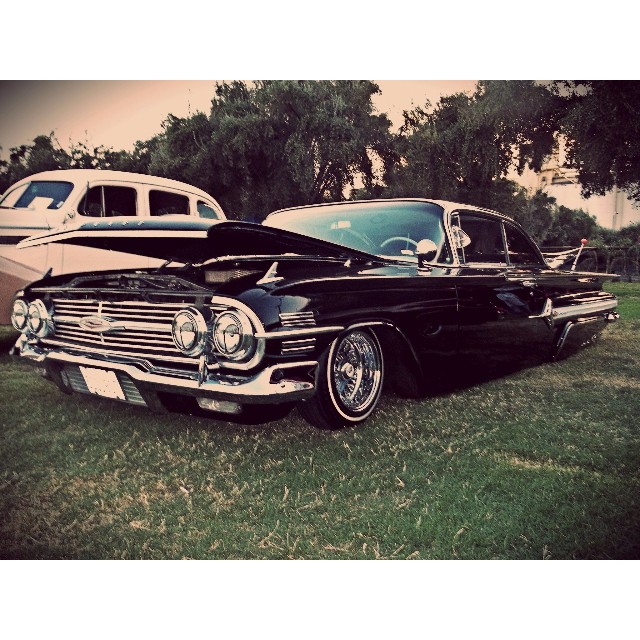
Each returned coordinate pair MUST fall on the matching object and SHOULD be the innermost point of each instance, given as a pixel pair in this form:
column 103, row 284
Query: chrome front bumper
column 287, row 382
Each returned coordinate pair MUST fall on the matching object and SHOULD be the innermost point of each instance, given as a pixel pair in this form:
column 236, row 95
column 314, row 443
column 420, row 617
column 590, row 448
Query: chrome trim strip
column 34, row 241
column 294, row 333
column 119, row 325
column 583, row 310
column 298, row 319
column 114, row 352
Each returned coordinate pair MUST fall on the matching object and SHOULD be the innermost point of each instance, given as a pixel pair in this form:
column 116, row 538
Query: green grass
column 541, row 464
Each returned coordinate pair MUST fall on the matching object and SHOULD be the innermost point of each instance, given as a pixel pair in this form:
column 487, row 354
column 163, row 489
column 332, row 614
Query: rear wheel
column 350, row 379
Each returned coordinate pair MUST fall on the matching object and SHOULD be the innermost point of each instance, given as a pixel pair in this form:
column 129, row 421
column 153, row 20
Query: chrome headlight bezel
column 233, row 335
column 19, row 310
column 39, row 319
column 198, row 343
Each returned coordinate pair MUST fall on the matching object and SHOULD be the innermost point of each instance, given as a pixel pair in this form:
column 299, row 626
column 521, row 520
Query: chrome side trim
column 290, row 347
column 298, row 319
column 294, row 333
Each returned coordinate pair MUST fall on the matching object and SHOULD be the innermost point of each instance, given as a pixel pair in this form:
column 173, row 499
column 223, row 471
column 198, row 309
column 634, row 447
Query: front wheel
column 350, row 378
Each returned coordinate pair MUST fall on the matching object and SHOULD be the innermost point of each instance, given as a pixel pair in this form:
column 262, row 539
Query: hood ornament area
column 99, row 324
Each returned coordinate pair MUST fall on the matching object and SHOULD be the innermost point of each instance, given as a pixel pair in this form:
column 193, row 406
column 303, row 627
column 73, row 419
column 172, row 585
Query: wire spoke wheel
column 356, row 371
column 350, row 381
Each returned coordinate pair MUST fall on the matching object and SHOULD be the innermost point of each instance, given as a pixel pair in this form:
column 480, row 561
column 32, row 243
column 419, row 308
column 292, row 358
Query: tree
column 275, row 144
column 601, row 126
column 44, row 154
column 465, row 147
column 570, row 226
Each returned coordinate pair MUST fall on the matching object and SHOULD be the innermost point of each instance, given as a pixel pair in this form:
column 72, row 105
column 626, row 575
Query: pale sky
column 117, row 113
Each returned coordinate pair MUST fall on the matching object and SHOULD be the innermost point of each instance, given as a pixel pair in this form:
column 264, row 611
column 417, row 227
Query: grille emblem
column 97, row 324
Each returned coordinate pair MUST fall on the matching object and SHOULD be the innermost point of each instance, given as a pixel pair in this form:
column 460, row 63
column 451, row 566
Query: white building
column 612, row 211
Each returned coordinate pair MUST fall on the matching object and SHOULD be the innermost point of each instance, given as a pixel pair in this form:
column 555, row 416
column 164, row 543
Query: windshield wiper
column 169, row 261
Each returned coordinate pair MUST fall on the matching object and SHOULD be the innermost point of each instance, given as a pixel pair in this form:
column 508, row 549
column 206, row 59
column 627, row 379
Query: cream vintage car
column 64, row 198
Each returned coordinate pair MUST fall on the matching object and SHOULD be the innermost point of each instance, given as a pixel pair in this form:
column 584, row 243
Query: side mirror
column 426, row 252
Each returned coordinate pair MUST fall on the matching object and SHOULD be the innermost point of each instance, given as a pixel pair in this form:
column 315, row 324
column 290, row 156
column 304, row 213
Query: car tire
column 350, row 381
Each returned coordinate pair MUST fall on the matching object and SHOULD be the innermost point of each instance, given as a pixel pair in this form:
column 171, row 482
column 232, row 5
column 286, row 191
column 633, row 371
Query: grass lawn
column 541, row 464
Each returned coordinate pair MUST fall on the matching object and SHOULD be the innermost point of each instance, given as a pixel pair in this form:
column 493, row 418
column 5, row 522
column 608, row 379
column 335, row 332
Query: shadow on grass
column 8, row 337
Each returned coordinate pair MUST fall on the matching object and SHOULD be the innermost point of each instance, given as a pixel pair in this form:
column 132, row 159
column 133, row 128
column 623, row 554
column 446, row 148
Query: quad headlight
column 233, row 335
column 20, row 315
column 34, row 319
column 189, row 331
column 39, row 321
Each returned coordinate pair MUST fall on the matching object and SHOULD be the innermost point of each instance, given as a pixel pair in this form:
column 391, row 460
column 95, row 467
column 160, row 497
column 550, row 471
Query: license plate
column 102, row 383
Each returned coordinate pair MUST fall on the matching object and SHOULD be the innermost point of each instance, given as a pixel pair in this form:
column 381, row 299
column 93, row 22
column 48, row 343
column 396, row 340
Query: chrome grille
column 298, row 319
column 146, row 329
column 291, row 347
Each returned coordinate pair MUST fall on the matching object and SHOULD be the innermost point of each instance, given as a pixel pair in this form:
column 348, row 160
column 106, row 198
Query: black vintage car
column 320, row 306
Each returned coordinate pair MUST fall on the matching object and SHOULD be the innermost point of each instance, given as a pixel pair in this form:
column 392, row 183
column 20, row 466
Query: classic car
column 321, row 306
column 49, row 199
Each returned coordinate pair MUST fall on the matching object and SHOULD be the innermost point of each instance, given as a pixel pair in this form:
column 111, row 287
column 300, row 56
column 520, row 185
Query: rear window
column 206, row 210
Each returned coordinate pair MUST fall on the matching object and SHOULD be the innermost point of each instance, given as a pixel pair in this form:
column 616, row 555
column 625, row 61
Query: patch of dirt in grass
column 538, row 465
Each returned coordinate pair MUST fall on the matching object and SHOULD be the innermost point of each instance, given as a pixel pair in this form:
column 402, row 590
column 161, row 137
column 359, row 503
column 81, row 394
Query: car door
column 105, row 199
column 504, row 313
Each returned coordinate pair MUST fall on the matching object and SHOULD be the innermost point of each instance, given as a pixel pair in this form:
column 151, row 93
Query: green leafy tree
column 465, row 148
column 44, row 154
column 273, row 144
column 569, row 226
column 600, row 124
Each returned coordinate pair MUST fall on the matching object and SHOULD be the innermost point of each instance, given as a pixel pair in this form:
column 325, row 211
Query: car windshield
column 37, row 195
column 390, row 229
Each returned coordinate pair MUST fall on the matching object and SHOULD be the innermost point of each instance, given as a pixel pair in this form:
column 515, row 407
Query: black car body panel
column 263, row 315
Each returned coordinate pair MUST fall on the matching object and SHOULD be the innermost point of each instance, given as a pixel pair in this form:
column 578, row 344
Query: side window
column 484, row 241
column 108, row 201
column 162, row 203
column 521, row 251
column 206, row 211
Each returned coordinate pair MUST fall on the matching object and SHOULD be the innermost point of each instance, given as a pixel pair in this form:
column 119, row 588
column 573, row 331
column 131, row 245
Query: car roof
column 448, row 205
column 87, row 175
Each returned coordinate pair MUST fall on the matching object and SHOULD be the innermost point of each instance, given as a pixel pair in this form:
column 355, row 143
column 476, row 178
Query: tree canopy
column 600, row 124
column 279, row 143
column 266, row 145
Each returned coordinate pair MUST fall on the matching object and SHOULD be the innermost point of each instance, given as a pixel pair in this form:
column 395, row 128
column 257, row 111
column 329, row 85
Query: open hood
column 190, row 240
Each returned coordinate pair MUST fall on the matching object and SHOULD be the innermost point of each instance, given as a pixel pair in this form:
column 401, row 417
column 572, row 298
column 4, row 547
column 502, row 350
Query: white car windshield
column 50, row 193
